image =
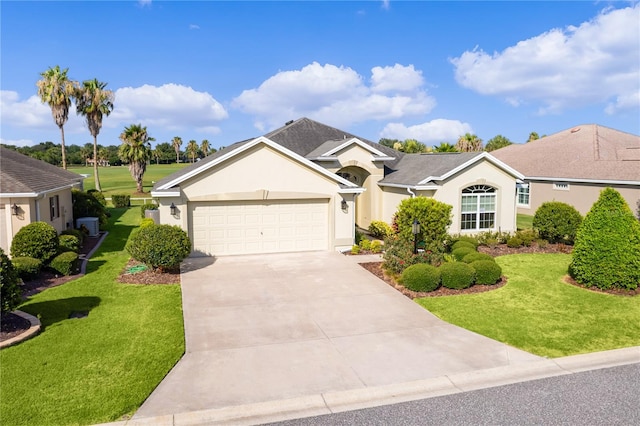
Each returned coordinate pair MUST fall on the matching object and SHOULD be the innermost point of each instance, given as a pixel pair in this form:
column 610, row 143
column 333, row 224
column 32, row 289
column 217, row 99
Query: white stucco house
column 306, row 185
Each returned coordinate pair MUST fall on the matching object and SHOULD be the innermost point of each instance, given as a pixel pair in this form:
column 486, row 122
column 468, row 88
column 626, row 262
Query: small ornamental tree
column 37, row 239
column 606, row 253
column 556, row 221
column 9, row 289
column 434, row 218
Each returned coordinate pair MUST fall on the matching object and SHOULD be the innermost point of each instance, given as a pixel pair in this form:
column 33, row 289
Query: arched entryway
column 360, row 177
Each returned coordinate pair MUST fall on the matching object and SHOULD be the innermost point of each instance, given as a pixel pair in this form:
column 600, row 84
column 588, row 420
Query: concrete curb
column 85, row 259
column 334, row 402
column 32, row 331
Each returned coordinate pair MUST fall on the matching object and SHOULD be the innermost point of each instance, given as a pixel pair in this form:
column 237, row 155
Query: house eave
column 580, row 180
column 165, row 194
column 412, row 187
column 482, row 156
column 37, row 194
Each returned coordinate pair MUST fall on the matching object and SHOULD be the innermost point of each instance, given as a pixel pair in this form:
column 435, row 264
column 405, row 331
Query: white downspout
column 413, row 195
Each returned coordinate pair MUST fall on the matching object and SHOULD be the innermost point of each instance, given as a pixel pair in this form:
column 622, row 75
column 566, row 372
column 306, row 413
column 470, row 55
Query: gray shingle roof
column 584, row 152
column 20, row 174
column 413, row 168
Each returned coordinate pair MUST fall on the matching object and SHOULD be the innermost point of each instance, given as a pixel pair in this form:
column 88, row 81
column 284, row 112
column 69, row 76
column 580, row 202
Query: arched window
column 478, row 211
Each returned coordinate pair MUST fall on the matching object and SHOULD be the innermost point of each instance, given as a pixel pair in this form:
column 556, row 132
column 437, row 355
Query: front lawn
column 524, row 221
column 103, row 366
column 539, row 313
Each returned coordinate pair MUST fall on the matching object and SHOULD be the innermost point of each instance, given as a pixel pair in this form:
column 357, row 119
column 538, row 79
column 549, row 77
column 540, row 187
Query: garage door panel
column 260, row 227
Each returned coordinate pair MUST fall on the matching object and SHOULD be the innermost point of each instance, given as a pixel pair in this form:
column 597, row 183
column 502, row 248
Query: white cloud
column 336, row 95
column 170, row 106
column 17, row 142
column 594, row 63
column 194, row 27
column 143, row 3
column 397, row 77
column 430, row 133
column 31, row 113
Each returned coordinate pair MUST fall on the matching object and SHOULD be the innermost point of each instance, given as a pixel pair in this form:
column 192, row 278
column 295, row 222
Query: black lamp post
column 415, row 230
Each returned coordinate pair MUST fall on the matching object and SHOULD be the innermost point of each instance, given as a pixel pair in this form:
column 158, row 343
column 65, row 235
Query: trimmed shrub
column 68, row 243
column 460, row 244
column 120, row 200
column 493, row 238
column 65, row 263
column 27, row 267
column 76, row 233
column 434, row 217
column 514, row 242
column 421, row 277
column 147, row 206
column 86, row 205
column 355, row 249
column 461, row 252
column 10, row 291
column 160, row 246
column 380, row 229
column 557, row 222
column 607, row 247
column 488, row 272
column 398, row 255
column 37, row 239
column 98, row 196
column 376, row 246
column 365, row 244
column 474, row 257
column 457, row 275
column 147, row 221
column 527, row 237
column 468, row 239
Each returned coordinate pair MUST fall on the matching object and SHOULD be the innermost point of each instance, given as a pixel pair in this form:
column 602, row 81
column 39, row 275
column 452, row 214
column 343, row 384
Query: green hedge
column 65, row 263
column 10, row 292
column 380, row 229
column 557, row 222
column 457, row 275
column 68, row 243
column 37, row 239
column 461, row 244
column 487, row 272
column 461, row 252
column 27, row 267
column 120, row 200
column 160, row 246
column 434, row 218
column 474, row 257
column 421, row 277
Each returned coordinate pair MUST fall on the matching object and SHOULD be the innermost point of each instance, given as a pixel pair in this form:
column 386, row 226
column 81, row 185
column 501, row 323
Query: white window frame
column 478, row 192
column 523, row 190
column 54, row 207
column 561, row 186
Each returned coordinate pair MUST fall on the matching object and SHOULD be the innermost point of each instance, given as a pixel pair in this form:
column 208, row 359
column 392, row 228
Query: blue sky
column 229, row 71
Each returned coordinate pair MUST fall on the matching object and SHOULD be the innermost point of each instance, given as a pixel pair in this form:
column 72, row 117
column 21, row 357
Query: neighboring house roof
column 589, row 153
column 24, row 176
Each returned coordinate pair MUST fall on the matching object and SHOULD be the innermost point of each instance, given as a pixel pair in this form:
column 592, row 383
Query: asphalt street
column 608, row 396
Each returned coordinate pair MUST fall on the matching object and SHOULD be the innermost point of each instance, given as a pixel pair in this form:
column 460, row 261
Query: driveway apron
column 271, row 327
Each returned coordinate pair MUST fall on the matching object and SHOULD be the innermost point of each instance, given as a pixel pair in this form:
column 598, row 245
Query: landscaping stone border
column 32, row 331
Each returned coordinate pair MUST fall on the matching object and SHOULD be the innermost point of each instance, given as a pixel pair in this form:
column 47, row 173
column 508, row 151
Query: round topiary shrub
column 68, row 243
column 488, row 272
column 474, row 257
column 37, row 239
column 469, row 239
column 421, row 277
column 160, row 246
column 457, row 275
column 27, row 267
column 461, row 252
column 9, row 288
column 75, row 232
column 606, row 253
column 460, row 244
column 65, row 263
column 146, row 222
column 556, row 222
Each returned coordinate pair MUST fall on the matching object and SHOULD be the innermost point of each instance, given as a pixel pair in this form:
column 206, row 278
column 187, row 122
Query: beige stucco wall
column 581, row 196
column 263, row 173
column 32, row 210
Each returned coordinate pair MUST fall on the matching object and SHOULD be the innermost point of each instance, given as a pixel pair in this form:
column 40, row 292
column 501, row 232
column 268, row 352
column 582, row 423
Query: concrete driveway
column 273, row 327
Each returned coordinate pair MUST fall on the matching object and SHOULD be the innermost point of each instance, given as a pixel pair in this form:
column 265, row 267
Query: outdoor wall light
column 174, row 209
column 15, row 209
column 415, row 230
column 344, row 205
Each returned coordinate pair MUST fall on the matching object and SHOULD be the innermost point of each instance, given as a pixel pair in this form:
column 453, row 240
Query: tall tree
column 177, row 143
column 205, row 147
column 469, row 143
column 86, row 151
column 533, row 136
column 445, row 147
column 192, row 149
column 93, row 101
column 497, row 142
column 136, row 150
column 388, row 142
column 57, row 90
column 412, row 146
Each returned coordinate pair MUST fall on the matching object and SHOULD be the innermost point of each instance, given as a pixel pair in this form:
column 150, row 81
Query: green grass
column 101, row 367
column 539, row 313
column 524, row 221
column 118, row 180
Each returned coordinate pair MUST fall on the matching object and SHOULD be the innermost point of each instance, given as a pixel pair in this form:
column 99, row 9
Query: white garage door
column 221, row 228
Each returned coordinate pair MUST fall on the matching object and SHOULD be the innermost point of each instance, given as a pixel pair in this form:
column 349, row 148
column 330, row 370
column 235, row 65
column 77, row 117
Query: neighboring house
column 574, row 165
column 306, row 185
column 31, row 191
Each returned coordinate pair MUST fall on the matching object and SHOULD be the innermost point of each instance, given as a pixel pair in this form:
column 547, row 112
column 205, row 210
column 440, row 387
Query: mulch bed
column 147, row 276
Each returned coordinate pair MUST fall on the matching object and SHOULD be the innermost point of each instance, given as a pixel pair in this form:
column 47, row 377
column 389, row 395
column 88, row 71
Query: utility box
column 91, row 223
column 153, row 214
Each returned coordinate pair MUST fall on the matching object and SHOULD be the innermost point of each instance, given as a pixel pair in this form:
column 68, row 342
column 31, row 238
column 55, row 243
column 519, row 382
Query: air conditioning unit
column 91, row 223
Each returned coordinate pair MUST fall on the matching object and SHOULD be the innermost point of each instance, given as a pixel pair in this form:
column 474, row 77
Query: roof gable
column 21, row 174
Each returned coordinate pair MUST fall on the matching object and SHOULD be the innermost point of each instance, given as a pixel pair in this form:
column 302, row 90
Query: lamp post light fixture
column 344, row 205
column 174, row 209
column 415, row 230
column 15, row 209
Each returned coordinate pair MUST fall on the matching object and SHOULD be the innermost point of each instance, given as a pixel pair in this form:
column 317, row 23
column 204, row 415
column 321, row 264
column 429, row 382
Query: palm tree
column 85, row 152
column 136, row 150
column 469, row 143
column 497, row 142
column 533, row 136
column 57, row 90
column 93, row 101
column 192, row 149
column 205, row 147
column 445, row 147
column 177, row 143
